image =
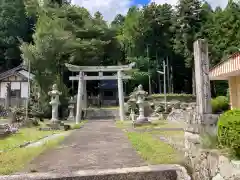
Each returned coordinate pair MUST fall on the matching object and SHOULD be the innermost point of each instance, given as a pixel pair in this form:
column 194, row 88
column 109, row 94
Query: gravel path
column 98, row 145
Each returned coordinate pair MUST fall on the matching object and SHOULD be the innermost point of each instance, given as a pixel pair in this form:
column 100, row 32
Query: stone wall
column 206, row 164
column 210, row 165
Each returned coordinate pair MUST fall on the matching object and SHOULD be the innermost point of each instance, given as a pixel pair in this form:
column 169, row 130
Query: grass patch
column 123, row 124
column 209, row 141
column 153, row 150
column 24, row 135
column 167, row 133
column 77, row 126
column 161, row 124
column 155, row 124
column 15, row 160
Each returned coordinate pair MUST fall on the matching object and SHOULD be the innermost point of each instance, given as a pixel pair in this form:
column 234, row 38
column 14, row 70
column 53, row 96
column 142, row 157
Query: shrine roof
column 226, row 68
column 18, row 71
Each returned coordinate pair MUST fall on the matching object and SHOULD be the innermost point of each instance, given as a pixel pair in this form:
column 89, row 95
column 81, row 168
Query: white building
column 18, row 80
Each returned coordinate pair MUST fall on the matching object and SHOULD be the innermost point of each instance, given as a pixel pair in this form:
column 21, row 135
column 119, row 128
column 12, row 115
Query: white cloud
column 108, row 8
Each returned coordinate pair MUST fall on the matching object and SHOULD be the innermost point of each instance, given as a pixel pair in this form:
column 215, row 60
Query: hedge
column 229, row 131
column 179, row 97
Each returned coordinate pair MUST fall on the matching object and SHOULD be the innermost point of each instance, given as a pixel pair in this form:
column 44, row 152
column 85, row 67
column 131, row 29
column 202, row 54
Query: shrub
column 223, row 102
column 220, row 104
column 229, row 130
column 215, row 105
column 228, row 95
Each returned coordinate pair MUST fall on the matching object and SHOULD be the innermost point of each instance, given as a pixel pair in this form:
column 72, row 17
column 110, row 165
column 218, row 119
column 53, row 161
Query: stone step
column 156, row 172
column 102, row 114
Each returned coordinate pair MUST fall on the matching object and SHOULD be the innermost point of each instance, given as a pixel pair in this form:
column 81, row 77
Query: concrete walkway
column 98, row 145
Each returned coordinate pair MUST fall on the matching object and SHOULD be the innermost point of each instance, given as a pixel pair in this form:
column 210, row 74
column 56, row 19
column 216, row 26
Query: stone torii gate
column 81, row 95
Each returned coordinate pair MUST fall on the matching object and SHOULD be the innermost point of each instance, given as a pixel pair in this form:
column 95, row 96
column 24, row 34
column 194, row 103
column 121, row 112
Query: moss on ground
column 24, row 135
column 152, row 150
column 15, row 160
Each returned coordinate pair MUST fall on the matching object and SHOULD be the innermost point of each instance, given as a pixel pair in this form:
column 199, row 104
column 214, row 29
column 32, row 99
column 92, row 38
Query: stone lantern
column 71, row 109
column 132, row 104
column 141, row 95
column 55, row 93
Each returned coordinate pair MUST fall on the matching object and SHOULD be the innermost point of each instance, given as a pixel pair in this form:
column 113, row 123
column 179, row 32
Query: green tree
column 223, row 36
column 118, row 20
column 188, row 25
column 14, row 26
column 66, row 34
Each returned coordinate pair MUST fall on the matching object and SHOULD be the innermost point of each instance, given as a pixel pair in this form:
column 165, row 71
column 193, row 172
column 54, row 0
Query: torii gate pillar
column 79, row 97
column 120, row 95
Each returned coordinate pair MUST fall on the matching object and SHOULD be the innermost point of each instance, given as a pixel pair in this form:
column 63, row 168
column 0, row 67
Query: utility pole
column 168, row 76
column 165, row 90
column 149, row 75
column 159, row 76
column 27, row 102
column 172, row 80
column 164, row 82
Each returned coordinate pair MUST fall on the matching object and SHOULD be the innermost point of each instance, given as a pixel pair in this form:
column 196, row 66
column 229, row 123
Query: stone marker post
column 199, row 119
column 203, row 92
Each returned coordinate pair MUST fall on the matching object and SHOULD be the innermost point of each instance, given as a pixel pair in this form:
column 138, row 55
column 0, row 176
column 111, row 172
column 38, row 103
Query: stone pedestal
column 141, row 118
column 71, row 107
column 54, row 113
column 71, row 112
column 132, row 115
column 132, row 105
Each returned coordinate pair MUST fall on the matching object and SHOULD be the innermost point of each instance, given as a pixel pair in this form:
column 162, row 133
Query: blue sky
column 110, row 8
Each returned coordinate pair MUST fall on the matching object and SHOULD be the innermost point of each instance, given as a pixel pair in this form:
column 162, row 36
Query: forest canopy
column 52, row 33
